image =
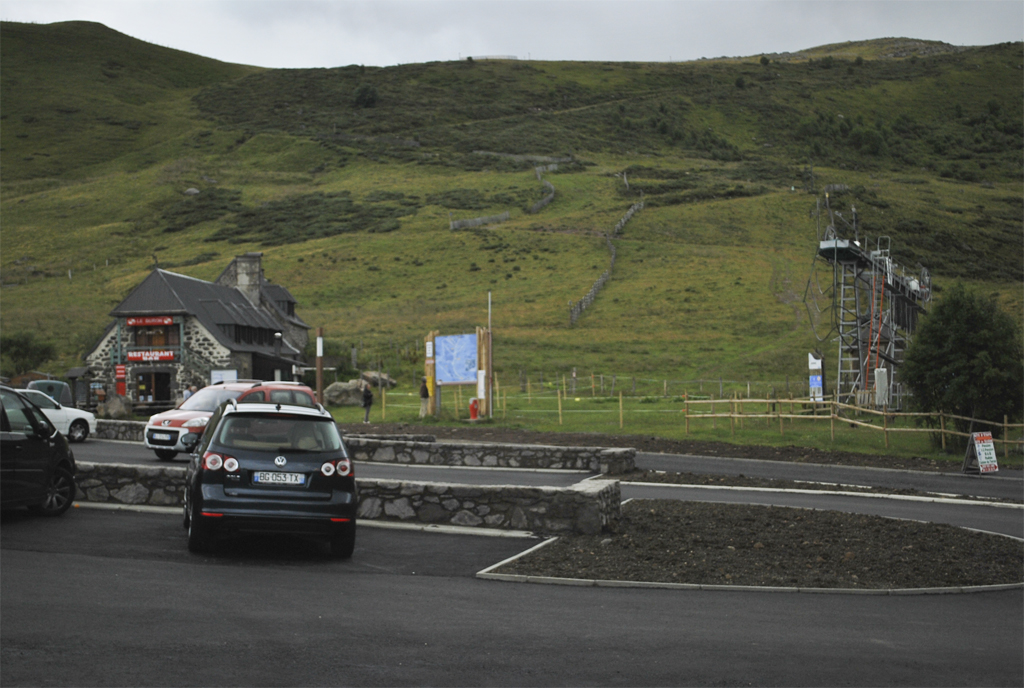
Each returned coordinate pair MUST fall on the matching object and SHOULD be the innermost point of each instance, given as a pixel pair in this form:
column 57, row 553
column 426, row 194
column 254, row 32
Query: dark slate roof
column 275, row 293
column 168, row 293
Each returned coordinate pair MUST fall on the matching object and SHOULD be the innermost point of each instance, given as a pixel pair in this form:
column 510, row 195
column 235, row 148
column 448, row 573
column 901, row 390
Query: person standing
column 367, row 401
column 424, row 399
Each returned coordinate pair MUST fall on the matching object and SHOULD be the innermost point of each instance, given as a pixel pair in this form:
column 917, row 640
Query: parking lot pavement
column 160, row 537
column 114, row 598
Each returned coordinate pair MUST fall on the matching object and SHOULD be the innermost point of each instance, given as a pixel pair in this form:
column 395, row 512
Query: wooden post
column 942, row 429
column 383, row 404
column 1006, row 437
column 529, row 393
column 686, row 411
column 504, row 405
column 885, row 424
column 832, row 418
column 741, row 409
column 782, row 429
column 665, row 390
column 558, row 393
column 732, row 416
column 319, row 364
column 620, row 410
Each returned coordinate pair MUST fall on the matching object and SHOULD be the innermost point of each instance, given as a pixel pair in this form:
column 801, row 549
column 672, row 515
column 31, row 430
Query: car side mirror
column 191, row 441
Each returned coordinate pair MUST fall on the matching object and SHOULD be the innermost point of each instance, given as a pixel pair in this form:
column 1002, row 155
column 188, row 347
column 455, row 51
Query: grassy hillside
column 346, row 179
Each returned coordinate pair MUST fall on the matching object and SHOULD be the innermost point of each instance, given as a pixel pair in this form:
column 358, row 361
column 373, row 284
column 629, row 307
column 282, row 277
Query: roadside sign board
column 817, row 392
column 981, row 454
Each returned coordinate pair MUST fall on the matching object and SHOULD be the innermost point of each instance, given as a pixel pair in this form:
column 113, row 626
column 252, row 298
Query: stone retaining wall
column 594, row 459
column 126, row 430
column 585, row 508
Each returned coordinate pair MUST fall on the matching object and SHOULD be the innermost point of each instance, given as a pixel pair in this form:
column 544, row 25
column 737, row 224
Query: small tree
column 365, row 97
column 966, row 359
column 21, row 352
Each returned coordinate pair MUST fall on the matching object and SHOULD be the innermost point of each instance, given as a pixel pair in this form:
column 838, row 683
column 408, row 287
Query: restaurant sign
column 150, row 355
column 151, row 320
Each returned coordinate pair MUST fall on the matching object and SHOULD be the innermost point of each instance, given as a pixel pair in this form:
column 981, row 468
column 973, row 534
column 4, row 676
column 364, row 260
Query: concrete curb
column 843, row 493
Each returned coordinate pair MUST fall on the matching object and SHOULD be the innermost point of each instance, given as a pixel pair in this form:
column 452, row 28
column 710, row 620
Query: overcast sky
column 332, row 33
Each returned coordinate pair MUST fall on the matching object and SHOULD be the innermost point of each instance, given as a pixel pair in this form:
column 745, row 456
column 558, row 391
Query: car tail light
column 342, row 467
column 230, row 464
column 213, row 462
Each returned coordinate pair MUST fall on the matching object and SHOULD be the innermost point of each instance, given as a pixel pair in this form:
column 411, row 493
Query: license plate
column 275, row 478
column 161, row 436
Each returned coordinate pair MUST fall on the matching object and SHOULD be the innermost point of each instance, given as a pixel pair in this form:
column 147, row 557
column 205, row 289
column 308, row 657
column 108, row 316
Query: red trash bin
column 474, row 409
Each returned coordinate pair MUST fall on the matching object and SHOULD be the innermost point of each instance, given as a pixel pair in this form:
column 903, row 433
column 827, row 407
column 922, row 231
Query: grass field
column 346, row 180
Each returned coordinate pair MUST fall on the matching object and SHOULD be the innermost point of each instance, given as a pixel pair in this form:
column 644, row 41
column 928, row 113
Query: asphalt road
column 114, row 598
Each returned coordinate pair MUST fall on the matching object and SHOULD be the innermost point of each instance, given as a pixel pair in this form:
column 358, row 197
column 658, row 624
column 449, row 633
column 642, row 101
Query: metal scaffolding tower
column 874, row 306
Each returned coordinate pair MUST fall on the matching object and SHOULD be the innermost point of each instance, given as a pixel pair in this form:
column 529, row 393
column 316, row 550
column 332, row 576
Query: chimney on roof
column 249, row 276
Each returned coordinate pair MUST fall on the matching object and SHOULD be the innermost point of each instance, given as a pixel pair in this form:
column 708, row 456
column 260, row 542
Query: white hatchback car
column 74, row 423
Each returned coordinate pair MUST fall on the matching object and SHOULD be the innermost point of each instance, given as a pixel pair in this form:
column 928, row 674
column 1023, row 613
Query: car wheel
column 165, row 454
column 78, row 431
column 343, row 541
column 60, row 493
column 200, row 537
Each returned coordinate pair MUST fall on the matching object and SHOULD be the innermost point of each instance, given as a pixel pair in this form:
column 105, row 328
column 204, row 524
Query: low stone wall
column 593, row 459
column 585, row 508
column 125, row 430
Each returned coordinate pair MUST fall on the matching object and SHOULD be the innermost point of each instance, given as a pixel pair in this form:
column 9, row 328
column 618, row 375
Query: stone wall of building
column 593, row 459
column 587, row 508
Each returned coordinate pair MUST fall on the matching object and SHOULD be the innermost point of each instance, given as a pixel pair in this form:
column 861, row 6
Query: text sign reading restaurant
column 150, row 320
column 150, row 355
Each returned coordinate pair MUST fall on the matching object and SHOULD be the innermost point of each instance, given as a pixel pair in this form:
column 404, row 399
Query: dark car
column 270, row 468
column 37, row 468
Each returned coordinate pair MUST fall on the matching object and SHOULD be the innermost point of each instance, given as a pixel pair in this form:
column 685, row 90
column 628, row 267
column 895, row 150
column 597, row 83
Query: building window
column 162, row 335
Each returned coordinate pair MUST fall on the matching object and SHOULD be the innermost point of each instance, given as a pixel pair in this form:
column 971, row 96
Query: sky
column 335, row 33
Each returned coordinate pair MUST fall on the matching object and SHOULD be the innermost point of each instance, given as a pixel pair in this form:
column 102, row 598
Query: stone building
column 173, row 331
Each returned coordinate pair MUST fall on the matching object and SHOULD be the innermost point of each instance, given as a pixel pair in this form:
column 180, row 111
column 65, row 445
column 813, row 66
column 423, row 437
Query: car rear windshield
column 278, row 432
column 208, row 399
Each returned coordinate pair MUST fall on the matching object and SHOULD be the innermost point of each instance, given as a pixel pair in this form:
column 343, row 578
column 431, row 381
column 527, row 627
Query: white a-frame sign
column 981, row 454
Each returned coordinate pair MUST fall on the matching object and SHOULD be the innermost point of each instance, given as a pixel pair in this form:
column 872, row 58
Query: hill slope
column 347, row 178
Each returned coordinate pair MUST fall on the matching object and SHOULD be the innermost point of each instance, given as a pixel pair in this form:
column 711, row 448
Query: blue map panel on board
column 455, row 359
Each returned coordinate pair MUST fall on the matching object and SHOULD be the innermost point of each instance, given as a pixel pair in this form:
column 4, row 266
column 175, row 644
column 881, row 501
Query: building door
column 153, row 386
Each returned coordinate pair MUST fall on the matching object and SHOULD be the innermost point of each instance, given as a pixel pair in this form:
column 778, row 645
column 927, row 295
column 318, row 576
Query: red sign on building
column 151, row 320
column 150, row 355
column 120, row 371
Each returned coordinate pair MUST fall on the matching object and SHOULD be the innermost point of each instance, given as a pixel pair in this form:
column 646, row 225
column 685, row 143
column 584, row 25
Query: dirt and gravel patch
column 732, row 544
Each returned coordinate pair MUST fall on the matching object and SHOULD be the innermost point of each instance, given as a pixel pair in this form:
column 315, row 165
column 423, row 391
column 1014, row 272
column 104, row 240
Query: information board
column 817, row 392
column 455, row 359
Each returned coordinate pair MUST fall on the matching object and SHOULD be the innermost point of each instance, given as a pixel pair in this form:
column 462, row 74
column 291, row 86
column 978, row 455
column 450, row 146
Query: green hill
column 347, row 178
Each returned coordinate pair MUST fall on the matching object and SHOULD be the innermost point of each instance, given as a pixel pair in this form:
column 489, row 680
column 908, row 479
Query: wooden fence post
column 686, row 411
column 832, row 416
column 558, row 393
column 942, row 428
column 782, row 430
column 885, row 423
column 732, row 415
column 620, row 410
column 1006, row 437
